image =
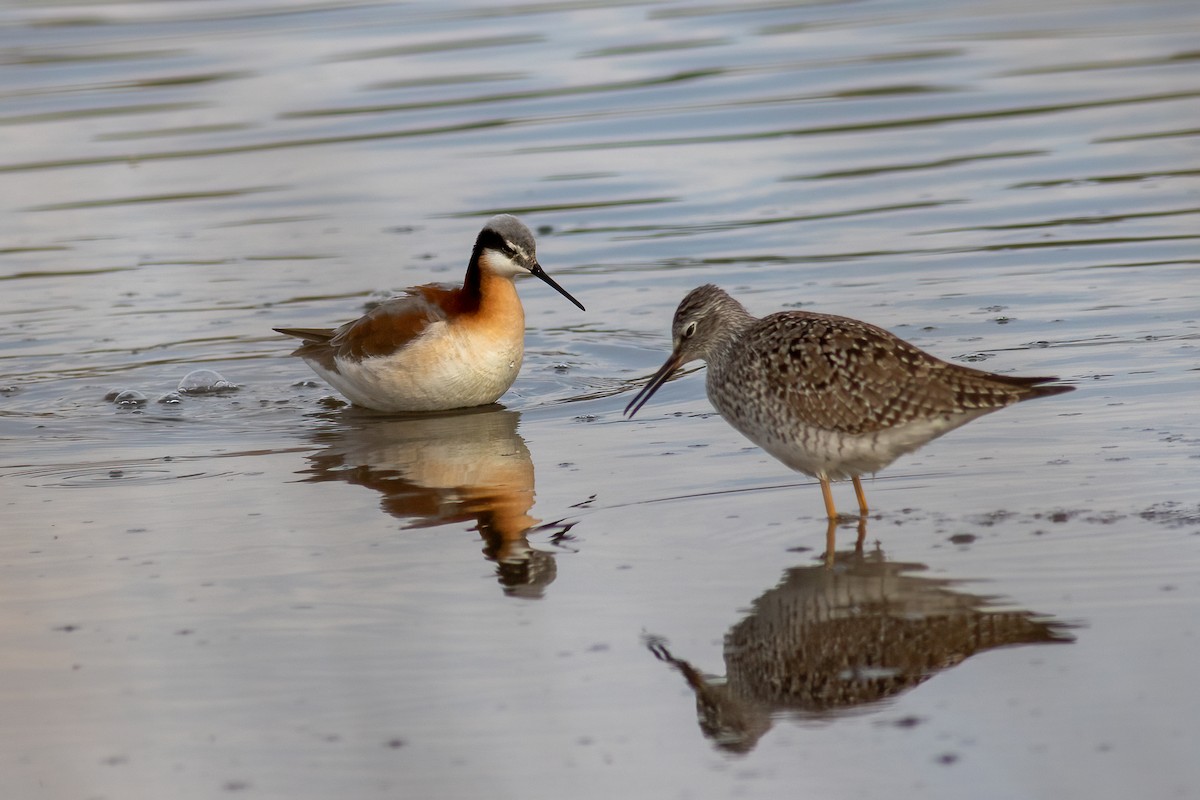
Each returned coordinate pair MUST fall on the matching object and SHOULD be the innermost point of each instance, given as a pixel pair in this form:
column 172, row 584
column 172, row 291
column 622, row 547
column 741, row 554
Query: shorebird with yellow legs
column 437, row 347
column 829, row 396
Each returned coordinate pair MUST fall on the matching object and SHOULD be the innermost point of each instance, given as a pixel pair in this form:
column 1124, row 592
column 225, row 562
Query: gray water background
column 260, row 594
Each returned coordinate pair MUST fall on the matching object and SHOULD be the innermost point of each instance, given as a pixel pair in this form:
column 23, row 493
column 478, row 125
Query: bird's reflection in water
column 446, row 469
column 840, row 636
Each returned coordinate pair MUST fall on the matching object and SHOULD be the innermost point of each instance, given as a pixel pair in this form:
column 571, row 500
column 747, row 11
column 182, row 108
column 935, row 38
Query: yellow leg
column 827, row 493
column 830, row 542
column 862, row 498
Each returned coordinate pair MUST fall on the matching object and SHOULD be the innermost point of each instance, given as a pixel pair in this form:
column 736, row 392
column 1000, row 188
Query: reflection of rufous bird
column 827, row 640
column 828, row 396
column 437, row 347
column 440, row 470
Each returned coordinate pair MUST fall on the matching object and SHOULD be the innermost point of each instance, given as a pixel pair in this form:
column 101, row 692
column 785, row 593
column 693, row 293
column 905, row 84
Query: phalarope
column 829, row 396
column 437, row 347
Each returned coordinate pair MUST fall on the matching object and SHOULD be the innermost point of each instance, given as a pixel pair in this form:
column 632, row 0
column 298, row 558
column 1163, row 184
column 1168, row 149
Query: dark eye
column 689, row 330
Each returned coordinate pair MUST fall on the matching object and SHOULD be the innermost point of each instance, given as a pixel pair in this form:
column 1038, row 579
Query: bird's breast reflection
column 841, row 636
column 446, row 469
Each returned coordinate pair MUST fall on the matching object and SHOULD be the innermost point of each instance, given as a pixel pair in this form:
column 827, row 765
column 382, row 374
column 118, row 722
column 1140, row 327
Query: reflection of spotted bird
column 829, row 640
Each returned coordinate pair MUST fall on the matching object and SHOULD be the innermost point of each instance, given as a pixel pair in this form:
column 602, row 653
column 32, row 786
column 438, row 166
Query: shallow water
column 258, row 592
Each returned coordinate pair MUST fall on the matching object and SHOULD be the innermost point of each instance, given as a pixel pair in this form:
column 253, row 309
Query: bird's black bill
column 541, row 273
column 650, row 388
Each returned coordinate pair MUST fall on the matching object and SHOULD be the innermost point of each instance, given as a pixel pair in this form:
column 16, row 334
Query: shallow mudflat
column 257, row 591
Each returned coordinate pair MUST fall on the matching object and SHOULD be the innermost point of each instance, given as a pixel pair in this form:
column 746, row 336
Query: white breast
column 439, row 370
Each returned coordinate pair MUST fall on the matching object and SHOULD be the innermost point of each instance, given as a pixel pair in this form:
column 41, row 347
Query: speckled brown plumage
column 840, row 374
column 829, row 396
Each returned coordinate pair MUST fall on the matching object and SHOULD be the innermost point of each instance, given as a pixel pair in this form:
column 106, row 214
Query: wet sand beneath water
column 259, row 592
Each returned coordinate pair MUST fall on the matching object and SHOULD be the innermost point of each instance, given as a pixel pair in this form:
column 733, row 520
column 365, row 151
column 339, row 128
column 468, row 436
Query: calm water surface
column 261, row 593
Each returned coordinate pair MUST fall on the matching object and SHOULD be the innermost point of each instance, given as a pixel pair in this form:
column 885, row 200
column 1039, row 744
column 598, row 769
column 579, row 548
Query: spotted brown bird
column 829, row 396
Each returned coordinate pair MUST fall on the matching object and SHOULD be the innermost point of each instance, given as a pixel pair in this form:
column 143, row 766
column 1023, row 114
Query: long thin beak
column 650, row 388
column 537, row 270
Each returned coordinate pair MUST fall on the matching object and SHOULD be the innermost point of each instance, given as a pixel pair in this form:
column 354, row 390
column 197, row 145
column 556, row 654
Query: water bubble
column 170, row 399
column 126, row 398
column 204, row 381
